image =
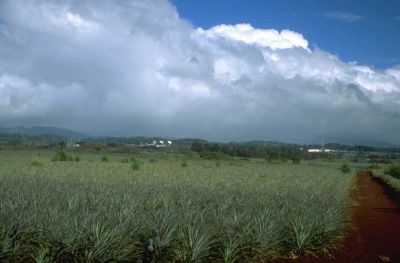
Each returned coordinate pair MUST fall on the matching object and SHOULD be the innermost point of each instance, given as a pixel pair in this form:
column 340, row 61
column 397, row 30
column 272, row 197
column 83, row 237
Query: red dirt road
column 375, row 217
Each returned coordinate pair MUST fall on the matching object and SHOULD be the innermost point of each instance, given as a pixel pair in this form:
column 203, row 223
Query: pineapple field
column 114, row 207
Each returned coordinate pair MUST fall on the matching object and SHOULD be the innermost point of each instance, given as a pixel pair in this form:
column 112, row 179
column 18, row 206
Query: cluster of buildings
column 158, row 144
column 320, row 150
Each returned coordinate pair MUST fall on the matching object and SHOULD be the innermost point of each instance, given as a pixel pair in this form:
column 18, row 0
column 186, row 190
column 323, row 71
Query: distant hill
column 366, row 142
column 264, row 143
column 53, row 135
column 43, row 130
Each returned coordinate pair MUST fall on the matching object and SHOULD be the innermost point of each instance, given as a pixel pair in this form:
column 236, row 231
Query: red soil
column 375, row 217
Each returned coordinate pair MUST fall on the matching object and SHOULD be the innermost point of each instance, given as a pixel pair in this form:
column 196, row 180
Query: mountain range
column 43, row 130
column 70, row 134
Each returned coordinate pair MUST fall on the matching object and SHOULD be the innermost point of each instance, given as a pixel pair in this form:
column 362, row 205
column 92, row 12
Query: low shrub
column 345, row 168
column 393, row 170
column 105, row 159
column 135, row 165
column 184, row 163
column 60, row 156
column 77, row 159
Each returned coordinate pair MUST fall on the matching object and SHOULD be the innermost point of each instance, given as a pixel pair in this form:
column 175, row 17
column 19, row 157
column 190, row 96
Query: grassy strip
column 390, row 180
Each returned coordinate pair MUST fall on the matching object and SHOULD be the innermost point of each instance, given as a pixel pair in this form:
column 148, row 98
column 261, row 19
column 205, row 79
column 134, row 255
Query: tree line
column 293, row 153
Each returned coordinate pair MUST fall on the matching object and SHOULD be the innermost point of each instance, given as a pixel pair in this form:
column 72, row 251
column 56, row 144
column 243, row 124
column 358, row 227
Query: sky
column 295, row 71
column 366, row 31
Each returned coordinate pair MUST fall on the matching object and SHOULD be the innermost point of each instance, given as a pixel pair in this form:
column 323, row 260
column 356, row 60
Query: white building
column 320, row 150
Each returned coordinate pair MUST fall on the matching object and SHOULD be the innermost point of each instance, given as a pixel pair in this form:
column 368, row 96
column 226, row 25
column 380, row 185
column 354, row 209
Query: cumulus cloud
column 344, row 16
column 263, row 37
column 137, row 68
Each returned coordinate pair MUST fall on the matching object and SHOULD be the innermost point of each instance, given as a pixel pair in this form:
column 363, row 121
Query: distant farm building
column 320, row 150
column 158, row 144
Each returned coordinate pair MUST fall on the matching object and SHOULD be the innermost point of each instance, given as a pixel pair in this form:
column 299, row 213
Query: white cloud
column 81, row 24
column 264, row 37
column 137, row 68
column 344, row 16
column 192, row 89
column 229, row 69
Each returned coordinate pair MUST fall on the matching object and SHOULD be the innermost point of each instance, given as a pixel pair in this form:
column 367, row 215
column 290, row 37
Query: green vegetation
column 60, row 156
column 345, row 168
column 373, row 166
column 244, row 211
column 37, row 162
column 380, row 158
column 124, row 149
column 135, row 165
column 394, row 171
column 389, row 174
column 218, row 151
column 105, row 159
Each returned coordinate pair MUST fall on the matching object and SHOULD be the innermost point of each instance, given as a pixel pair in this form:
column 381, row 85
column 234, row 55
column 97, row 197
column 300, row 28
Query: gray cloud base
column 137, row 68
